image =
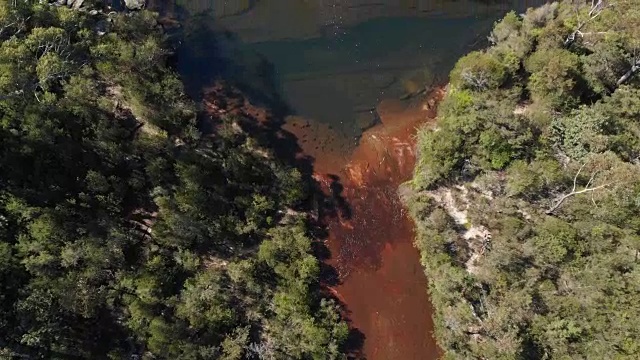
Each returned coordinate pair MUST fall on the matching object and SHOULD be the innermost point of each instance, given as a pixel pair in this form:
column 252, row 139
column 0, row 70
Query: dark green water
column 327, row 60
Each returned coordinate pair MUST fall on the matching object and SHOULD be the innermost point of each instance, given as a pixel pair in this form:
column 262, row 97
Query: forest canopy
column 124, row 231
column 526, row 192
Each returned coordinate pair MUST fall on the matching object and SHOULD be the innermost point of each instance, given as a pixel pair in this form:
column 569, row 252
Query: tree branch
column 629, row 74
column 595, row 11
column 595, row 7
column 575, row 178
column 574, row 192
column 565, row 197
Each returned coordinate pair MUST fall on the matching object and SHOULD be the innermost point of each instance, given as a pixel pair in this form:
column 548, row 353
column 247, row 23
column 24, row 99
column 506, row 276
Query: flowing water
column 334, row 73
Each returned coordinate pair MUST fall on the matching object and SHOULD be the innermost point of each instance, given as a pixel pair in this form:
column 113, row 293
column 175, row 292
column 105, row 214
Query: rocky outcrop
column 135, row 4
column 76, row 4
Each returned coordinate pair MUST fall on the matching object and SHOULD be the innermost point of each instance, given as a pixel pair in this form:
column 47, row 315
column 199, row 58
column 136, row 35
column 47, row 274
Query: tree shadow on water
column 340, row 202
column 208, row 55
column 355, row 344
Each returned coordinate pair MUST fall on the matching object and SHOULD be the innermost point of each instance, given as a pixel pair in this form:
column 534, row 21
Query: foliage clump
column 124, row 232
column 541, row 131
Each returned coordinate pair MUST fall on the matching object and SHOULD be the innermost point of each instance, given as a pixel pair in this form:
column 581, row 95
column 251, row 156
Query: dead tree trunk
column 595, row 11
column 574, row 192
column 629, row 74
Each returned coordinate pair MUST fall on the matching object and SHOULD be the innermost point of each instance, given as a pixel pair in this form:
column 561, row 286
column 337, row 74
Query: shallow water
column 380, row 277
column 332, row 71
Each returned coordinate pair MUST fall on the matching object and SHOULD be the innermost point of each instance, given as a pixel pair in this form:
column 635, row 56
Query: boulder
column 134, row 4
column 75, row 3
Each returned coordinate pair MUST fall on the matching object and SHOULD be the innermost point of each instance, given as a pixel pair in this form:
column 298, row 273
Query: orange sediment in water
column 382, row 283
column 328, row 149
column 370, row 237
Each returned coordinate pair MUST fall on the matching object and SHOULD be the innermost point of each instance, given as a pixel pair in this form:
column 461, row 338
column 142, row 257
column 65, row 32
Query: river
column 334, row 73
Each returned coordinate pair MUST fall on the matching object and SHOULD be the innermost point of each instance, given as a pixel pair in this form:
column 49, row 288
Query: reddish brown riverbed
column 371, row 238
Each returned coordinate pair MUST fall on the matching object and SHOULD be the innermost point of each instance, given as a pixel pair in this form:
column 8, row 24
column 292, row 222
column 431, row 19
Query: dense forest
column 526, row 193
column 124, row 231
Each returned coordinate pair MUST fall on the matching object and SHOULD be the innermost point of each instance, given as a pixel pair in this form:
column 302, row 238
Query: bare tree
column 588, row 188
column 14, row 25
column 594, row 11
column 478, row 80
column 262, row 350
column 635, row 67
column 59, row 44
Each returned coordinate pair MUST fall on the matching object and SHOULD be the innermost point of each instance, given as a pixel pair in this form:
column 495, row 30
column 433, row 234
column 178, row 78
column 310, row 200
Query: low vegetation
column 527, row 191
